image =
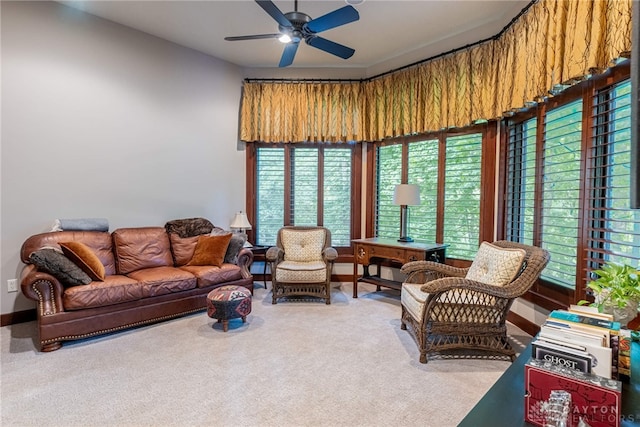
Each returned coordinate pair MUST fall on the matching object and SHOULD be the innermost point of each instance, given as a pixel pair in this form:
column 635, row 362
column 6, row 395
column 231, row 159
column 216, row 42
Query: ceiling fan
column 296, row 26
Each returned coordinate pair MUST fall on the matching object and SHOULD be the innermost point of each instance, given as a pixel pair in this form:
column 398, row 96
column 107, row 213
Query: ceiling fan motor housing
column 298, row 31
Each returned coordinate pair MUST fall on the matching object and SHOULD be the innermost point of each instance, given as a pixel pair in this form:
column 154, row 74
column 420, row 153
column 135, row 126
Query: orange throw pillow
column 210, row 250
column 83, row 257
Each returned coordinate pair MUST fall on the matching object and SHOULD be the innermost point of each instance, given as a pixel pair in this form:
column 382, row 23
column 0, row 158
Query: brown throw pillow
column 210, row 250
column 84, row 258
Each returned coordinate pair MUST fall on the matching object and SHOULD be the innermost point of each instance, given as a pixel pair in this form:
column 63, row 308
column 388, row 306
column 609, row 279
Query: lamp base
column 405, row 239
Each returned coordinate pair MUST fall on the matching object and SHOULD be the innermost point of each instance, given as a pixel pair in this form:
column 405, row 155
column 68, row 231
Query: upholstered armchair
column 302, row 262
column 463, row 311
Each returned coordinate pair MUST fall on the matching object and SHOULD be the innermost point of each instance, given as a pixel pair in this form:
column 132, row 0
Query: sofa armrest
column 245, row 258
column 43, row 288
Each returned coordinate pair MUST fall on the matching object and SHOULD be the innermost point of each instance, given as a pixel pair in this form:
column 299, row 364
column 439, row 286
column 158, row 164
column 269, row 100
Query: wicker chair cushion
column 301, row 272
column 413, row 299
column 303, row 245
column 496, row 266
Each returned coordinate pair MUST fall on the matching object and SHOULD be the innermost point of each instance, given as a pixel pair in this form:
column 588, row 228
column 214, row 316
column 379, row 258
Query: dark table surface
column 503, row 405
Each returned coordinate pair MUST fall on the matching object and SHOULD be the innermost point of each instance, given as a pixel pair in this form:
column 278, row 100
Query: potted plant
column 616, row 291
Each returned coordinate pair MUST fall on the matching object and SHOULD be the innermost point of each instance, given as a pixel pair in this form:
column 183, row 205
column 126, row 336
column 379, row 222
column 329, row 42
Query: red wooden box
column 595, row 399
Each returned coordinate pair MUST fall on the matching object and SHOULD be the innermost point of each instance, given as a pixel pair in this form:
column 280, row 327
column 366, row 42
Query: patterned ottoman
column 229, row 302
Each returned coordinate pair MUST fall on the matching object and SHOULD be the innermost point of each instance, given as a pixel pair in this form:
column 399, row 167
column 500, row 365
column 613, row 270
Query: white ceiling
column 389, row 34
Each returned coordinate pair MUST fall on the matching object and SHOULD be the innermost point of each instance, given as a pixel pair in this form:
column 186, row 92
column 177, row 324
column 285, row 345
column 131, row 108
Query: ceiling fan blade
column 288, row 54
column 333, row 48
column 275, row 13
column 338, row 17
column 254, row 37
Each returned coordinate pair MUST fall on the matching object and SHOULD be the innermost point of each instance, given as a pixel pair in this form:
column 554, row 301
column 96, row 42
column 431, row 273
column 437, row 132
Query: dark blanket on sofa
column 189, row 227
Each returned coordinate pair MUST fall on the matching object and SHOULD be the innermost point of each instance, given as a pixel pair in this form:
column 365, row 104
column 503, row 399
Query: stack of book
column 580, row 338
column 576, row 351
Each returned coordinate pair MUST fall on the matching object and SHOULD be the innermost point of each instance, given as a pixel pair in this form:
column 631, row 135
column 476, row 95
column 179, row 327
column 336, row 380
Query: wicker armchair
column 301, row 262
column 448, row 313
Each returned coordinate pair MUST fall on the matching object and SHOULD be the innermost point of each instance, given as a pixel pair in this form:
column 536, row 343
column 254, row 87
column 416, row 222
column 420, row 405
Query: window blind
column 614, row 228
column 462, row 195
column 561, row 191
column 520, row 188
column 337, row 195
column 270, row 195
column 423, row 171
column 304, row 186
column 389, row 174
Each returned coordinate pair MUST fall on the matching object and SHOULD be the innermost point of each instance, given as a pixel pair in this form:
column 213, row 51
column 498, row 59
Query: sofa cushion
column 208, row 275
column 494, row 265
column 210, row 250
column 182, row 248
column 143, row 247
column 113, row 290
column 84, row 258
column 303, row 245
column 59, row 266
column 163, row 280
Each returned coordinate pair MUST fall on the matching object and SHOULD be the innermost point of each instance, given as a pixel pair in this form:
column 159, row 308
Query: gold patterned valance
column 553, row 42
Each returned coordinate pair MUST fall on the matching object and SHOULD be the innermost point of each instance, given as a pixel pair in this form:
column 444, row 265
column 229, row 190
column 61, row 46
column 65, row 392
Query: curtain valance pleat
column 552, row 43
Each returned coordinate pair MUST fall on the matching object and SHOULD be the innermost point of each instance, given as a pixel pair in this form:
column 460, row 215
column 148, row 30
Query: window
column 304, row 184
column 614, row 228
column 423, row 171
column 462, row 195
column 270, row 195
column 561, row 192
column 521, row 174
column 337, row 195
column 389, row 168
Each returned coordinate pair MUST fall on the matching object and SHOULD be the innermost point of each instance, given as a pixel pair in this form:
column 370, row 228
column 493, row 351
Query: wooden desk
column 503, row 405
column 376, row 250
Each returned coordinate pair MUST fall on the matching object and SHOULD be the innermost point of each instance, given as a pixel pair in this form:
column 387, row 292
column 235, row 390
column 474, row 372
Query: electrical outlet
column 12, row 285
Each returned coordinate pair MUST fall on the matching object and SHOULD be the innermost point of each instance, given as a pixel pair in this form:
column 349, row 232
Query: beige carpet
column 293, row 364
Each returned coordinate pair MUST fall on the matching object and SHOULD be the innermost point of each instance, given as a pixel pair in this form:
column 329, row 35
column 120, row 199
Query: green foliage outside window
column 462, row 195
column 423, row 171
column 561, row 191
column 389, row 174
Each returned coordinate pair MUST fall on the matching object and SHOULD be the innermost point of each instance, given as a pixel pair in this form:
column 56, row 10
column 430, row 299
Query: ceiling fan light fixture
column 285, row 38
column 354, row 2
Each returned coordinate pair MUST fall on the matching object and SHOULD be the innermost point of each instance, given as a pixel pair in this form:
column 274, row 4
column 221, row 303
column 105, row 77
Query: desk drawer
column 388, row 253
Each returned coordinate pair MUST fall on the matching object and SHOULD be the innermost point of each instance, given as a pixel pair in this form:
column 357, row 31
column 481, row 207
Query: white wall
column 99, row 120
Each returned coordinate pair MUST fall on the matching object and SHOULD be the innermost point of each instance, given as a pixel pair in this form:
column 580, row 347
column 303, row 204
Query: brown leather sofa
column 146, row 280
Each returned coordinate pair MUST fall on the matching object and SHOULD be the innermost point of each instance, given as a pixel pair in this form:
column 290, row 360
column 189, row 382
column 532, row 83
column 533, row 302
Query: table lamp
column 240, row 223
column 405, row 195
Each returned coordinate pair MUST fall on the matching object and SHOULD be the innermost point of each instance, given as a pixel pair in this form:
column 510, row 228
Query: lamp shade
column 406, row 194
column 241, row 221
